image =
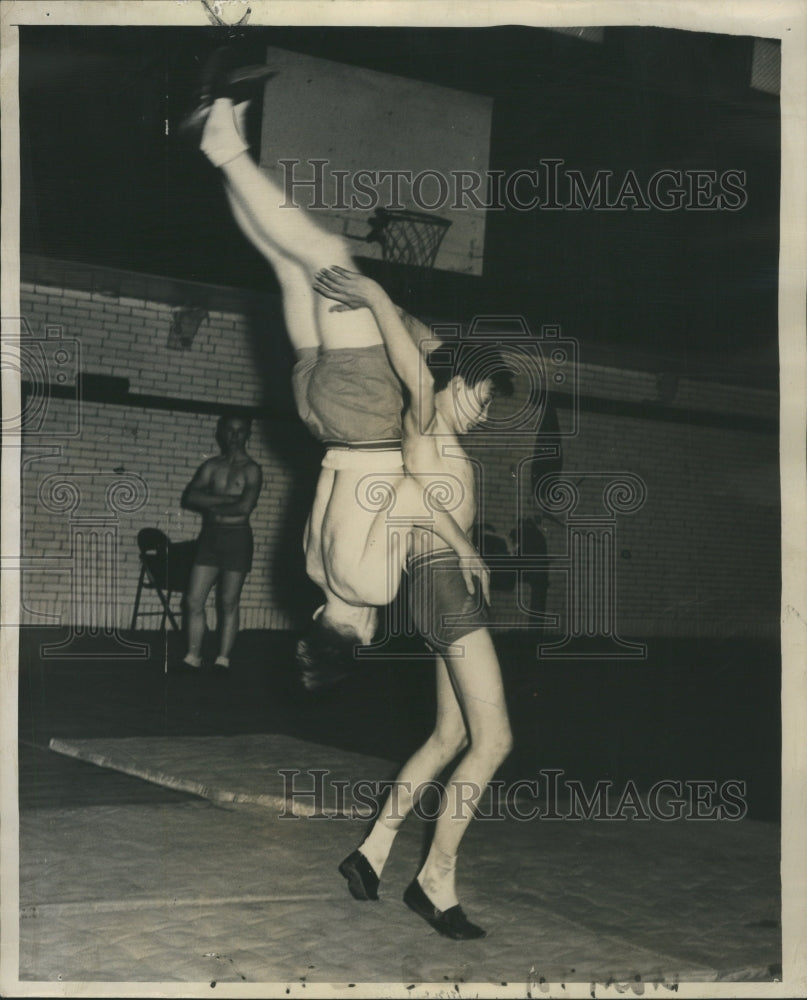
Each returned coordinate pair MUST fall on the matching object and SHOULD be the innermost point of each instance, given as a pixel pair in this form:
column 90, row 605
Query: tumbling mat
column 271, row 770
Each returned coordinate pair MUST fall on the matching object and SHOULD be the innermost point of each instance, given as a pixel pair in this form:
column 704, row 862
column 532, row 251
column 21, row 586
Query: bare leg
column 202, row 579
column 298, row 298
column 230, row 585
column 291, row 231
column 446, row 741
column 477, row 680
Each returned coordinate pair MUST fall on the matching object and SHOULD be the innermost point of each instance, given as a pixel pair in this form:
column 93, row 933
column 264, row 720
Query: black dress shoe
column 212, row 85
column 361, row 877
column 245, row 83
column 239, row 84
column 451, row 923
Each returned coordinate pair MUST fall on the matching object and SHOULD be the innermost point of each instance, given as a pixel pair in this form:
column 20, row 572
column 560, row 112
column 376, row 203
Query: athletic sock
column 239, row 116
column 377, row 846
column 220, row 139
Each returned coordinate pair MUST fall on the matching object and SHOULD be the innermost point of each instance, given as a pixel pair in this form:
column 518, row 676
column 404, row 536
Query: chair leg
column 166, row 607
column 137, row 597
column 177, row 627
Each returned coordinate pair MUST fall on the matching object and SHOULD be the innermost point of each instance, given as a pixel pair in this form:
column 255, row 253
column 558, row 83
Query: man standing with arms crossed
column 225, row 490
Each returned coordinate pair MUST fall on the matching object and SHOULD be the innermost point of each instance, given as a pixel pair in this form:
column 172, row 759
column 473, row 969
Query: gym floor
column 124, row 880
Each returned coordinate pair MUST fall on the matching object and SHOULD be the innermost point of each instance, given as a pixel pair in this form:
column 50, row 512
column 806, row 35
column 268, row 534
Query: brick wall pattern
column 700, row 558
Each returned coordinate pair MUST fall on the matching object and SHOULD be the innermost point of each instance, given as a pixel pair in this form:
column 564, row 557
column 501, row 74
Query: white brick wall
column 701, row 555
column 128, row 338
column 163, row 449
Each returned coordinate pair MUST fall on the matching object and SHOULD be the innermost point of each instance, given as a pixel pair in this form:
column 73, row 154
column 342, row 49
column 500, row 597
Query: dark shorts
column 228, row 546
column 441, row 608
column 349, row 396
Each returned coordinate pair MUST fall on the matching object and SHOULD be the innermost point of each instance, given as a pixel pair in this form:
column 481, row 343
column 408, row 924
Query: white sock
column 220, row 139
column 377, row 846
column 239, row 116
column 222, row 661
column 193, row 660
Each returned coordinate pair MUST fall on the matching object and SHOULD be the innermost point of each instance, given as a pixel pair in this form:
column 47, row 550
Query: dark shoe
column 361, row 878
column 224, row 76
column 219, row 670
column 451, row 923
column 213, row 84
column 239, row 84
column 186, row 669
column 245, row 83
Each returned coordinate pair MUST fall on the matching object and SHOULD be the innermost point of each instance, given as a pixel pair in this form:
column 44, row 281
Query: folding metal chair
column 165, row 570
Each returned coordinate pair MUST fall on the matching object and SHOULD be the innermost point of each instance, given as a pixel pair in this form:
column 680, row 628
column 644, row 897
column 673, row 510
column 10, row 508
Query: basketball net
column 407, row 237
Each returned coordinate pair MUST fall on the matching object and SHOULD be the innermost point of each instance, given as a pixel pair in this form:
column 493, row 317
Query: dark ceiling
column 101, row 182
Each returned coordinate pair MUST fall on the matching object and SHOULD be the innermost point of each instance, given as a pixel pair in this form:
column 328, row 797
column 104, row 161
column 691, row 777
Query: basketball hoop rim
column 411, row 215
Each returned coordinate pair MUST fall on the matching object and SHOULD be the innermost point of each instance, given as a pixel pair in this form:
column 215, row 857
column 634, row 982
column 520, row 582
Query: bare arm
column 198, row 493
column 417, row 330
column 471, row 563
column 244, row 504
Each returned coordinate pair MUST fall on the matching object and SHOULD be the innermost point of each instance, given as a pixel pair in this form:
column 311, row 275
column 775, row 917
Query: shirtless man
column 225, row 490
column 349, row 397
column 471, row 710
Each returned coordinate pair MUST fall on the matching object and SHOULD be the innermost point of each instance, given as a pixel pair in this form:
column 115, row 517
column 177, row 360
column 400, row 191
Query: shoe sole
column 437, row 926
